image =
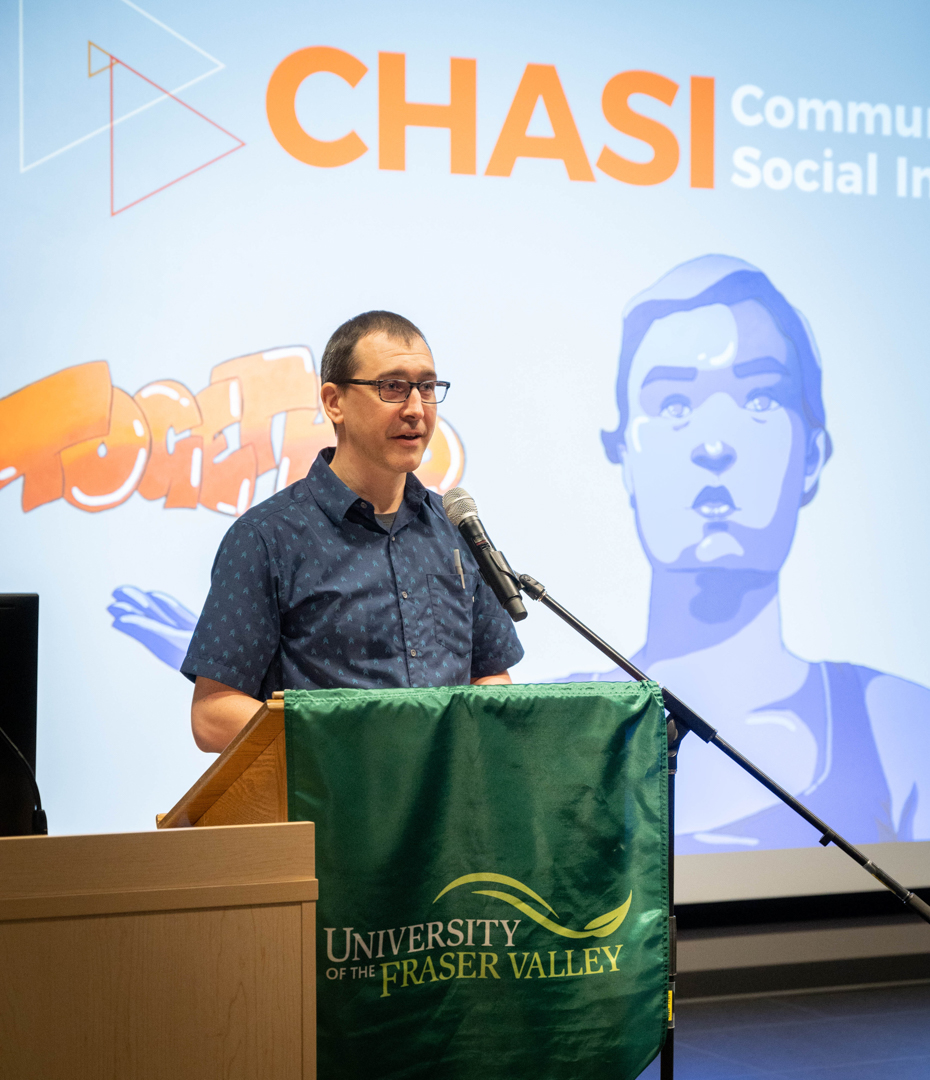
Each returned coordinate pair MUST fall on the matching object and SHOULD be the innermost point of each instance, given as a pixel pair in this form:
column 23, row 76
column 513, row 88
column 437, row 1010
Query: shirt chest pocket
column 452, row 610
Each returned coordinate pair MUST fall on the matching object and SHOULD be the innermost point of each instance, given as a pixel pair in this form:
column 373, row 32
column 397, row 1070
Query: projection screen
column 673, row 260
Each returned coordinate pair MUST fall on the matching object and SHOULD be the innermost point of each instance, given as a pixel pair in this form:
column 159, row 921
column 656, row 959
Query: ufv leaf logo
column 602, row 926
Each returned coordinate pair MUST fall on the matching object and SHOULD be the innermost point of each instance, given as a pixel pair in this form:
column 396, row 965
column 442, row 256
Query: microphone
column 461, row 510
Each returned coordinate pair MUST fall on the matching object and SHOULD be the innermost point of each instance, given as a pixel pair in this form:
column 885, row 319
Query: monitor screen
column 19, row 641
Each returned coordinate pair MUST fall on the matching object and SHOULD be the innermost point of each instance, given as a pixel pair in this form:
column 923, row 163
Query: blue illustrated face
column 717, row 456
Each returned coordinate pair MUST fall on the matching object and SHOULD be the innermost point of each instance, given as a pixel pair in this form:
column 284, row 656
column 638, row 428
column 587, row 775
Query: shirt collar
column 335, row 499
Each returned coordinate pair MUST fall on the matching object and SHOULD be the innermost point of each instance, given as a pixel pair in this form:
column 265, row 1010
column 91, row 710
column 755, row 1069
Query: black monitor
column 19, row 665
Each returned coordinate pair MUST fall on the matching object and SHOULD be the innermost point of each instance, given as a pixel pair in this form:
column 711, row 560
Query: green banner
column 493, row 866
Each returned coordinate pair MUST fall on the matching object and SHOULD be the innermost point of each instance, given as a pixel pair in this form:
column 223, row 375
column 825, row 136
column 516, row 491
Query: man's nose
column 413, row 406
column 716, row 457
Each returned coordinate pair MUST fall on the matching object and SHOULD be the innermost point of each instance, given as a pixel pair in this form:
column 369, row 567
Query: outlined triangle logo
column 94, row 53
column 97, row 59
column 55, row 114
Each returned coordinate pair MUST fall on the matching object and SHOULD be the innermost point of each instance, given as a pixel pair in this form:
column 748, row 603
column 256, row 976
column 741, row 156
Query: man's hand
column 491, row 680
column 219, row 713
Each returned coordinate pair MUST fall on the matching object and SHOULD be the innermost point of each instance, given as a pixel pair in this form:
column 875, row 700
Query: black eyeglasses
column 396, row 390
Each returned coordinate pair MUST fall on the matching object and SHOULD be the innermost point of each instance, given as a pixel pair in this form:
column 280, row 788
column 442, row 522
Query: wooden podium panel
column 247, row 783
column 159, row 956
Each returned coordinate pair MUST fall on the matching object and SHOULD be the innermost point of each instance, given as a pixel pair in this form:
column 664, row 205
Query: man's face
column 381, row 435
column 716, row 456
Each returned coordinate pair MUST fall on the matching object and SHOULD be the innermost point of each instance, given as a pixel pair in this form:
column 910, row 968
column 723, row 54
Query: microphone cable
column 39, row 820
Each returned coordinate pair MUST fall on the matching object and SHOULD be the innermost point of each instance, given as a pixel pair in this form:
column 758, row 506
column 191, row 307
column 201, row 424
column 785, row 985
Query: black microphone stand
column 681, row 720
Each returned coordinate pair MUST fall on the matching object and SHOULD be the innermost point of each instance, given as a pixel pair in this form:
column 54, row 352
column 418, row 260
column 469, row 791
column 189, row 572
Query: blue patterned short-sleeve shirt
column 309, row 591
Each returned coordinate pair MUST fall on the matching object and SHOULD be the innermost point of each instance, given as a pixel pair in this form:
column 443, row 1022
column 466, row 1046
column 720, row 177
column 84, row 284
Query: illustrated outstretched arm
column 158, row 621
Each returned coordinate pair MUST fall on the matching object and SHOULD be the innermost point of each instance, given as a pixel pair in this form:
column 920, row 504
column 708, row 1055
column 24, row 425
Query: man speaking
column 353, row 576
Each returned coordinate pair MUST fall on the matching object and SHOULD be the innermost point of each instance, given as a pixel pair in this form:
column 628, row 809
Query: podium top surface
column 54, row 876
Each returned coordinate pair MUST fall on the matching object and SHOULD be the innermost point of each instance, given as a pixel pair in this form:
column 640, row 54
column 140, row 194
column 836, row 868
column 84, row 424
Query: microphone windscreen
column 458, row 504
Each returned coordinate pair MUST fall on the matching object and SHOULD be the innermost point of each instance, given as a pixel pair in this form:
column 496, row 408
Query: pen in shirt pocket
column 457, row 559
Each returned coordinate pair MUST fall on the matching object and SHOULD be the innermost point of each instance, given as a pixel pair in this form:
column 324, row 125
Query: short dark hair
column 338, row 362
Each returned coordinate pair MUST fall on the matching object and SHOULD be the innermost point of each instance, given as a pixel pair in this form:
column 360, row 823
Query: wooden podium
column 247, row 784
column 181, row 953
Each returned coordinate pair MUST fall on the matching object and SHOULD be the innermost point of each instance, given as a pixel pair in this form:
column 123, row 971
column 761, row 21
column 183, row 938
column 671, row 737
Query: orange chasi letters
column 540, row 81
column 460, row 116
column 396, row 113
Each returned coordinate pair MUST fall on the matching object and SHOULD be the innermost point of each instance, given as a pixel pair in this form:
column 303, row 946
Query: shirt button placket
column 407, row 612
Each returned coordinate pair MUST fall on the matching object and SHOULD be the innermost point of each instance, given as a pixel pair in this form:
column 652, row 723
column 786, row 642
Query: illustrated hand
column 161, row 623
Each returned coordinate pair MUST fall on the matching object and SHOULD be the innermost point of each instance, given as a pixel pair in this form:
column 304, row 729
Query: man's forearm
column 490, row 680
column 219, row 713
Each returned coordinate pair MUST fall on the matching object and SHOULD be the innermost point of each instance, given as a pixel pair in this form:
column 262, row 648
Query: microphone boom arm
column 686, row 718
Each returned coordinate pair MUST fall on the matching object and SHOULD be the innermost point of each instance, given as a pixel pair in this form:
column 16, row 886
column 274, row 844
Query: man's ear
column 816, row 458
column 331, row 400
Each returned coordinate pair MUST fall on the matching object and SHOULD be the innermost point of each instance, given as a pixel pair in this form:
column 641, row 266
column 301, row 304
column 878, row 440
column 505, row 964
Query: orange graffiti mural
column 74, row 435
